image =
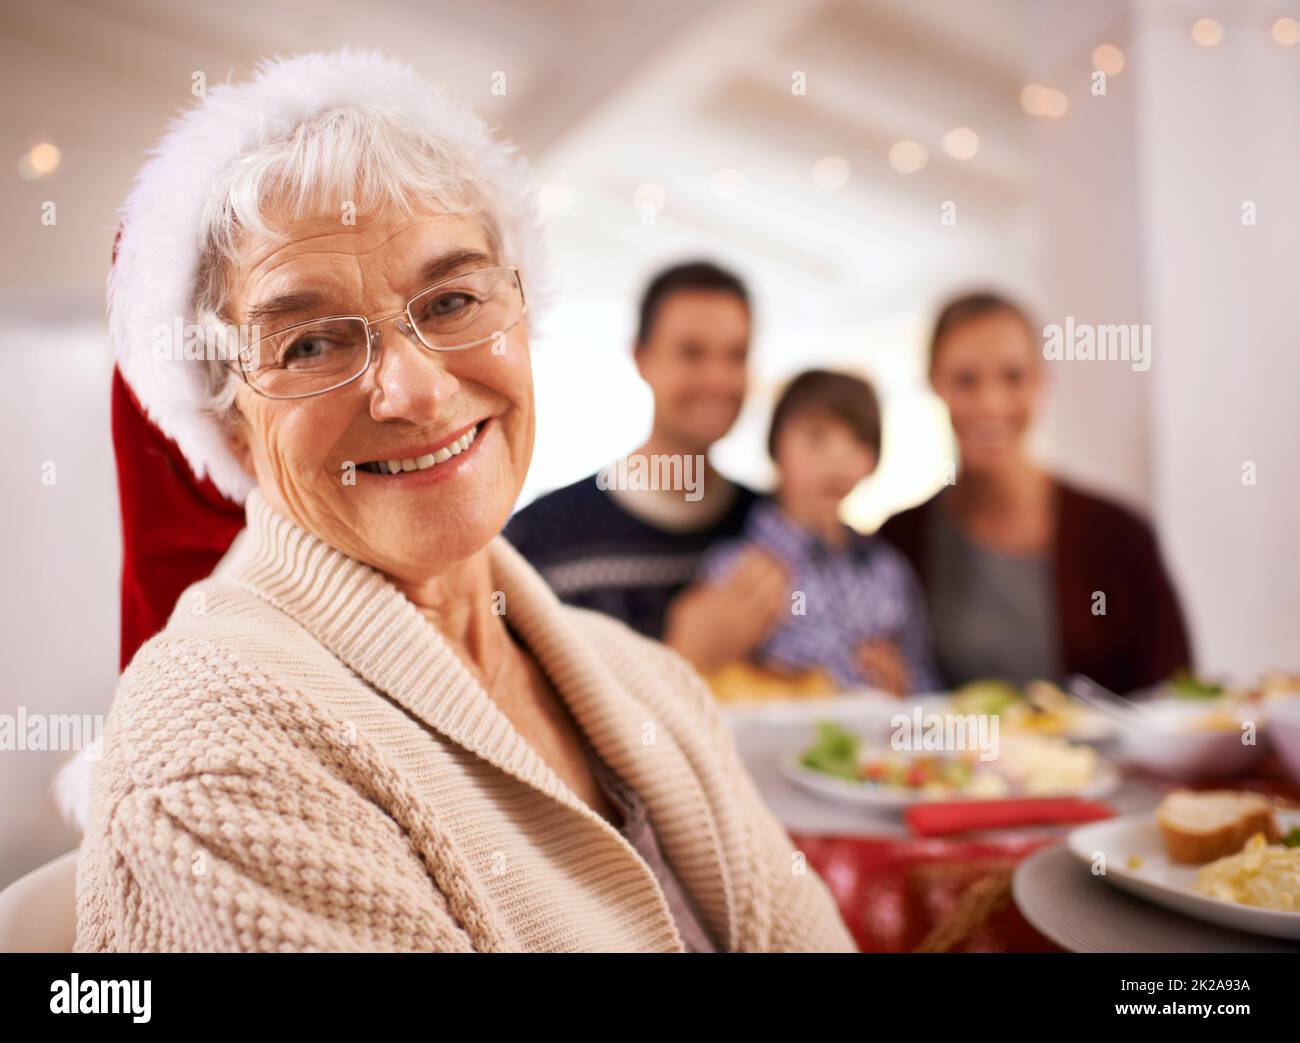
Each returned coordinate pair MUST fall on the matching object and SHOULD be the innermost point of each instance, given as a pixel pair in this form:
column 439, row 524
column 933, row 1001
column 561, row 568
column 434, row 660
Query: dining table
column 902, row 892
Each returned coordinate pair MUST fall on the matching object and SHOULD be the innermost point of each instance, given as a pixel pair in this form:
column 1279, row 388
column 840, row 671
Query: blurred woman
column 1026, row 575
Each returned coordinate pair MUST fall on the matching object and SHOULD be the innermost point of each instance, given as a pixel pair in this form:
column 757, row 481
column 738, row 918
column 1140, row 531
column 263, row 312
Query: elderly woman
column 374, row 727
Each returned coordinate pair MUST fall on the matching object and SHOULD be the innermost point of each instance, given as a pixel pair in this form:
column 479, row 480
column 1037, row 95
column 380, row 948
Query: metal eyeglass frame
column 405, row 326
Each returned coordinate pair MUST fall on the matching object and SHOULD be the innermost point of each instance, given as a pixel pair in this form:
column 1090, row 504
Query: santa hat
column 180, row 485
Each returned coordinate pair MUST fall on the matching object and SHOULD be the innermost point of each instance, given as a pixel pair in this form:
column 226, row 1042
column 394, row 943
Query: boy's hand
column 883, row 664
column 715, row 624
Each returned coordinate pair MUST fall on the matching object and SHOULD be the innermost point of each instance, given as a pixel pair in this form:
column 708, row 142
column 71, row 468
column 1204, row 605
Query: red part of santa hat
column 175, row 527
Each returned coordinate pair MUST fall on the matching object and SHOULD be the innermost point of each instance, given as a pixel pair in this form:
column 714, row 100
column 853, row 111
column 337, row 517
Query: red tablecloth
column 927, row 895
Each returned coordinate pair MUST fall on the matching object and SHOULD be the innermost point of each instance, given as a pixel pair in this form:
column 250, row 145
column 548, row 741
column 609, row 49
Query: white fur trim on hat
column 153, row 279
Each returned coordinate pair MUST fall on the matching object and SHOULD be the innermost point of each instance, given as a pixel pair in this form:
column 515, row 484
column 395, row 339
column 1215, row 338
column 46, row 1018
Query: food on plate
column 1025, row 766
column 927, row 773
column 1187, row 685
column 1200, row 705
column 1042, row 766
column 984, row 697
column 1260, row 874
column 1045, row 710
column 1042, row 709
column 1219, row 720
column 1198, row 715
column 743, row 682
column 835, row 752
column 1276, row 684
column 1271, row 685
column 1201, row 827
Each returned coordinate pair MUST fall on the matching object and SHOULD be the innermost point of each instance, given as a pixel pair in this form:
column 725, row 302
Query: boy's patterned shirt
column 852, row 594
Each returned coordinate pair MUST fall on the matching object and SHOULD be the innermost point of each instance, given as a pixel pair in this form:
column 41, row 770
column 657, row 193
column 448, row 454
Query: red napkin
column 940, row 819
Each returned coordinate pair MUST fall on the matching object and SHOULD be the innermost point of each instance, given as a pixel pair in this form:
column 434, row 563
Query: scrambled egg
column 1045, row 766
column 1262, row 874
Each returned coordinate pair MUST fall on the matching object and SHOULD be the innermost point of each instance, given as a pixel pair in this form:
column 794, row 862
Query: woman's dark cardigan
column 1098, row 546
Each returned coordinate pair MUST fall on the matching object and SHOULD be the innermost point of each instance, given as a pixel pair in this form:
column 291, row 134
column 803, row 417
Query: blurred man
column 626, row 540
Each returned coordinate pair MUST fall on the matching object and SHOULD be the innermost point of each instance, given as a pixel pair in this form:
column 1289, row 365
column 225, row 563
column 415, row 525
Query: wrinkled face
column 820, row 460
column 695, row 363
column 987, row 373
column 314, row 457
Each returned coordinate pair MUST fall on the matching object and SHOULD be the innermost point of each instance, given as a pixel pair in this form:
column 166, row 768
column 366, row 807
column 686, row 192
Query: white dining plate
column 1113, row 843
column 1105, row 781
column 1062, row 900
column 872, row 712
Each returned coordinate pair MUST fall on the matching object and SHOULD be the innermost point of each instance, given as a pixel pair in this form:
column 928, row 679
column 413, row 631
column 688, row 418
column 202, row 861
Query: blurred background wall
column 822, row 148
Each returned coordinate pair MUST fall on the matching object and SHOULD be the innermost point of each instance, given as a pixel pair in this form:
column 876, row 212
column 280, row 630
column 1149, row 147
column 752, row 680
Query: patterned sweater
column 594, row 554
column 862, row 591
column 300, row 762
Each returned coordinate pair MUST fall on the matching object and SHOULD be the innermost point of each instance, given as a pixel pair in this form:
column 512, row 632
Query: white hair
column 355, row 156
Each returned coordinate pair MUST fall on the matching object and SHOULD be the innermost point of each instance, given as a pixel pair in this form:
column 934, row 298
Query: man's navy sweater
column 595, row 554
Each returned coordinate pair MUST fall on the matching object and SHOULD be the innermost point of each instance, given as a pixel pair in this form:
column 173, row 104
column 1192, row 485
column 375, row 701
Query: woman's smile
column 424, row 465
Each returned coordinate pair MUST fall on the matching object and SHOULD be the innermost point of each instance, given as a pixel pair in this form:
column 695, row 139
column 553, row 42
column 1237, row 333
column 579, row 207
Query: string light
column 908, row 157
column 40, row 161
column 1038, row 100
column 1286, row 31
column 1108, row 59
column 1207, row 32
column 961, row 143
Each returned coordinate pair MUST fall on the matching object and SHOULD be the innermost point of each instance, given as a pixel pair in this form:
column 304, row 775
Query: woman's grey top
column 993, row 614
column 638, row 831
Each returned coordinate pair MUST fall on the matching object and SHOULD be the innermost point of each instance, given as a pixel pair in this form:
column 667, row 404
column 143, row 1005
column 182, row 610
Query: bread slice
column 1200, row 827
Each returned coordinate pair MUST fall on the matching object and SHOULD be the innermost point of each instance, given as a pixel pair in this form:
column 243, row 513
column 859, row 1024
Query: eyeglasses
column 311, row 358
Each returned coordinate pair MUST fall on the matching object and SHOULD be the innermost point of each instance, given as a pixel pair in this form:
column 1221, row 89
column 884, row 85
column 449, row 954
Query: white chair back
column 38, row 912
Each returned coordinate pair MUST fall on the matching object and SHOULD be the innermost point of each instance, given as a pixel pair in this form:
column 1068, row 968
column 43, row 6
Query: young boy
column 856, row 609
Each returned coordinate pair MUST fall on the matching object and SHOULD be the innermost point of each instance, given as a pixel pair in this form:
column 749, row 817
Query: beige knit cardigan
column 300, row 762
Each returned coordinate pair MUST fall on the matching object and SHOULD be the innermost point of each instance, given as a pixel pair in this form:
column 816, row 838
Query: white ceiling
column 604, row 96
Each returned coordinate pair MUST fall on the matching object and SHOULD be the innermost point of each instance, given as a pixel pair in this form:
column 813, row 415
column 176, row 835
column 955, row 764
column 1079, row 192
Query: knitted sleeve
column 804, row 915
column 227, row 819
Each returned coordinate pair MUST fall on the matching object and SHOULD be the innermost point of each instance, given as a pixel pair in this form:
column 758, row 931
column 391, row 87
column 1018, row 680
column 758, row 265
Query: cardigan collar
column 366, row 622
